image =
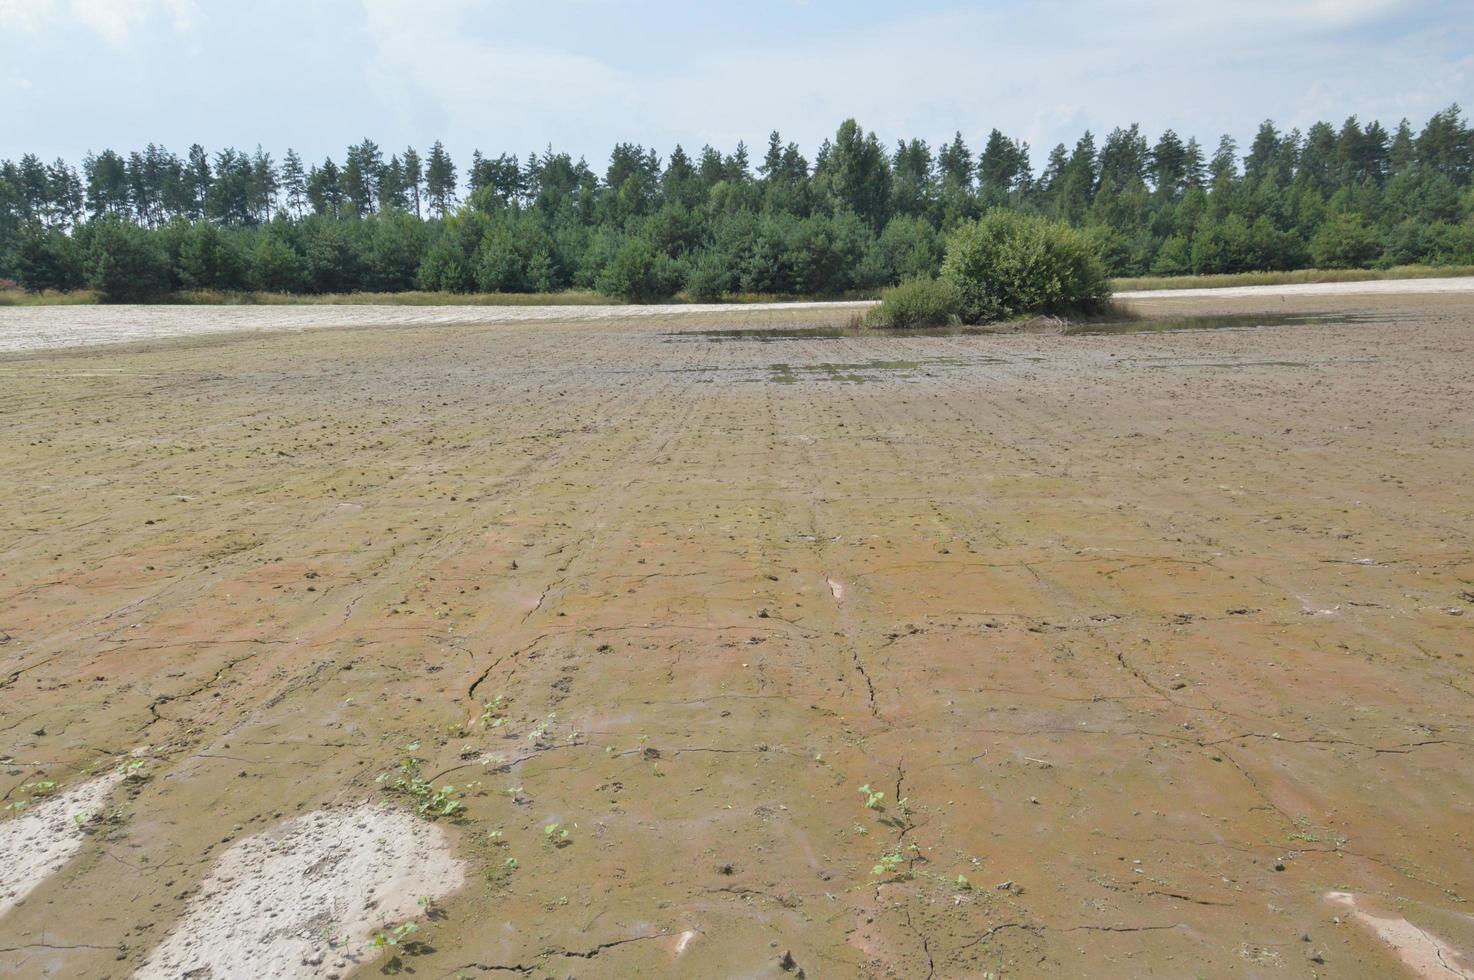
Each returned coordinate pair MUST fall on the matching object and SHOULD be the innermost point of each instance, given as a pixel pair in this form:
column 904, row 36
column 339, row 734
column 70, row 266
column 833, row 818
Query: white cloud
column 1043, row 71
column 111, row 20
column 25, row 15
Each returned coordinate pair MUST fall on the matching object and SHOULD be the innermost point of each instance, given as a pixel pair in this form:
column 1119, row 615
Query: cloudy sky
column 582, row 74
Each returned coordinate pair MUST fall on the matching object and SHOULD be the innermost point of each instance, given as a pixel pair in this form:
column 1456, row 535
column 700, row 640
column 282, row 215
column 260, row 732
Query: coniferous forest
column 860, row 215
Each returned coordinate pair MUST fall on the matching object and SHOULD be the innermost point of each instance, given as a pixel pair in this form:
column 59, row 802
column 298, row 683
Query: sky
column 581, row 75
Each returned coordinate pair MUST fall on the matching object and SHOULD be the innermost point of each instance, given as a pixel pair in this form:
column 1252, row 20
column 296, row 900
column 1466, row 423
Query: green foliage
column 1009, row 264
column 124, row 263
column 275, row 267
column 46, row 259
column 209, row 260
column 917, row 303
column 444, row 268
column 429, row 802
column 860, row 216
column 1345, row 241
column 709, row 277
column 637, row 273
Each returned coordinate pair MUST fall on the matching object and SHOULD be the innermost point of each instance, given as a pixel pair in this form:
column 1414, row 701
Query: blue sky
column 582, row 74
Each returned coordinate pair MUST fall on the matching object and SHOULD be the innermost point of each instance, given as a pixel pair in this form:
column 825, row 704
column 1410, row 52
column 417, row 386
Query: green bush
column 1345, row 241
column 709, row 277
column 125, row 264
column 919, row 302
column 275, row 266
column 639, row 274
column 1008, row 264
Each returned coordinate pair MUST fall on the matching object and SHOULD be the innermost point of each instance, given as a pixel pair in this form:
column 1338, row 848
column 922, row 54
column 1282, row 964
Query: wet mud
column 1147, row 654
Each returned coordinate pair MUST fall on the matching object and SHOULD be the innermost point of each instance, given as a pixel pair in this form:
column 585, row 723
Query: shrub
column 46, row 260
column 443, row 269
column 638, row 274
column 125, row 264
column 709, row 277
column 1009, row 264
column 919, row 302
column 275, row 266
column 1345, row 241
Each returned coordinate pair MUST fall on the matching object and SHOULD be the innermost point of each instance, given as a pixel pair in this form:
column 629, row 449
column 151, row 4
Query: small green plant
column 395, row 938
column 556, row 835
column 399, row 939
column 491, row 713
column 963, row 885
column 40, row 789
column 873, row 799
column 888, row 864
column 542, row 729
column 429, row 802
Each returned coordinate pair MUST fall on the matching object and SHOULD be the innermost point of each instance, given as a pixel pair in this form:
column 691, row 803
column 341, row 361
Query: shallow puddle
column 1230, row 321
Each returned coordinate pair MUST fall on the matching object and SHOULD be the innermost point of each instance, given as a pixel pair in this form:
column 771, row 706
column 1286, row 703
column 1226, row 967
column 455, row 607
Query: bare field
column 1158, row 647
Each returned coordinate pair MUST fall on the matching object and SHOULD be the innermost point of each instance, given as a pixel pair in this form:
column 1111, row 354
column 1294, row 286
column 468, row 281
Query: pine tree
column 264, row 185
column 294, row 183
column 414, row 177
column 197, row 180
column 440, row 180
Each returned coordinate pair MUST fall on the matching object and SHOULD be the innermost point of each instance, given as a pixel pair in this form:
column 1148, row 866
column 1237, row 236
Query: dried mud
column 1164, row 639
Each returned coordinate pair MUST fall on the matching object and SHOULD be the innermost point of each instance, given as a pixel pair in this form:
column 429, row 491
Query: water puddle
column 1227, row 321
column 862, row 372
column 771, row 335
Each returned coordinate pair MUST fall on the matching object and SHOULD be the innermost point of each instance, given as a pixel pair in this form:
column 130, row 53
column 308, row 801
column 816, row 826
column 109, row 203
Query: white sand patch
column 37, row 842
column 306, row 898
column 1383, row 287
column 1427, row 956
column 47, row 327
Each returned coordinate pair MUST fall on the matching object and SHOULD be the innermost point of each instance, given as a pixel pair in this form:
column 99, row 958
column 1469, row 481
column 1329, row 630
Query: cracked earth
column 1155, row 651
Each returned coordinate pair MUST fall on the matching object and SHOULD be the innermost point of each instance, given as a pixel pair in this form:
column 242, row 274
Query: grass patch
column 1291, row 278
column 17, row 297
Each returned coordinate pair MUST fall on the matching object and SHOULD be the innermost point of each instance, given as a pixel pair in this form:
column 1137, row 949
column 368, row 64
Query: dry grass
column 17, row 297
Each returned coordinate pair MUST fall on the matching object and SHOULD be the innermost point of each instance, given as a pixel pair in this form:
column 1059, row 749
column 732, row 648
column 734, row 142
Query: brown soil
column 1166, row 640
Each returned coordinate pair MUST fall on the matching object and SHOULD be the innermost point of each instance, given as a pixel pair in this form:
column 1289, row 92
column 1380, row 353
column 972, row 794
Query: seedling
column 888, row 864
column 873, row 799
column 40, row 788
column 429, row 802
column 542, row 729
column 395, row 938
column 491, row 713
column 556, row 835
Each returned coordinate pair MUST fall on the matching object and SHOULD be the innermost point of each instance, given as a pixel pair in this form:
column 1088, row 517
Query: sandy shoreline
column 56, row 327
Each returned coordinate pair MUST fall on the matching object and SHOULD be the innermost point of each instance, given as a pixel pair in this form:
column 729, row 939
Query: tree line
column 859, row 215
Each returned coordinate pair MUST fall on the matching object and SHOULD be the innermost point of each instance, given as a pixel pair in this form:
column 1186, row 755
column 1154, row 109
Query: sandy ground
column 1165, row 640
column 1371, row 287
column 56, row 327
